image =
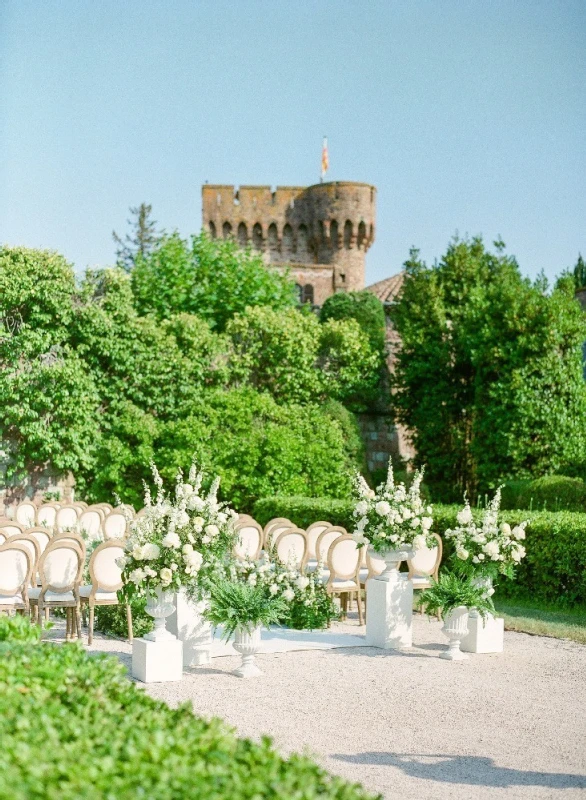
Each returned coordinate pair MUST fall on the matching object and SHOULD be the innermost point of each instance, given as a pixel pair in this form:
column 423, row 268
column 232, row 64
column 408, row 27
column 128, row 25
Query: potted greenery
column 453, row 597
column 242, row 610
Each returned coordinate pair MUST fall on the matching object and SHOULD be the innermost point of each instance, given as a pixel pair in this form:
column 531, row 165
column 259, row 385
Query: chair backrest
column 291, row 547
column 375, row 563
column 277, row 521
column 67, row 518
column 42, row 535
column 72, row 538
column 273, row 533
column 105, row 573
column 344, row 559
column 46, row 515
column 90, row 523
column 249, row 539
column 15, row 568
column 115, row 526
column 2, row 538
column 312, row 534
column 426, row 560
column 26, row 513
column 106, row 507
column 11, row 528
column 61, row 566
column 31, row 545
column 324, row 541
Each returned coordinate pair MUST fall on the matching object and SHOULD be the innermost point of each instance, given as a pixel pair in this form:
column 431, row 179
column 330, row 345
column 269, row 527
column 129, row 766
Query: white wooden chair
column 290, row 548
column 106, row 579
column 322, row 545
column 11, row 528
column 312, row 533
column 73, row 538
column 250, row 539
column 60, row 571
column 42, row 535
column 46, row 515
column 106, row 507
column 26, row 513
column 67, row 519
column 344, row 558
column 15, row 576
column 90, row 523
column 273, row 528
column 32, row 546
column 115, row 526
column 425, row 564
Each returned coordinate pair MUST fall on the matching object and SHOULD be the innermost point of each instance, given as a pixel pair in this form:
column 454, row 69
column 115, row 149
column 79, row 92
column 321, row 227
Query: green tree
column 212, row 278
column 365, row 308
column 580, row 273
column 488, row 376
column 140, row 242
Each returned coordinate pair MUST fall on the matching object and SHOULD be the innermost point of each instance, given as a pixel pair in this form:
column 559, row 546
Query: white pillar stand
column 157, row 661
column 188, row 624
column 484, row 637
column 389, row 611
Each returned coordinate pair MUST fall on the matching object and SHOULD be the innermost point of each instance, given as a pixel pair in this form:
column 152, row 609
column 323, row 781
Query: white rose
column 182, row 519
column 361, row 508
column 359, row 537
column 481, row 556
column 273, row 588
column 464, row 516
column 212, row 530
column 187, row 548
column 206, row 539
column 491, row 549
column 289, row 595
column 506, row 528
column 462, row 553
column 150, row 572
column 198, row 524
column 518, row 532
column 370, row 494
column 475, row 559
column 121, row 562
column 415, row 522
column 419, row 542
column 166, row 575
column 171, row 540
column 518, row 552
column 194, row 559
column 174, row 566
column 137, row 553
column 426, row 523
column 137, row 575
column 382, row 508
column 151, row 551
column 222, row 517
column 302, row 582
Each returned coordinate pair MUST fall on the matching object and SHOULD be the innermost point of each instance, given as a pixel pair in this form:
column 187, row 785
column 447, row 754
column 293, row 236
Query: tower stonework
column 321, row 233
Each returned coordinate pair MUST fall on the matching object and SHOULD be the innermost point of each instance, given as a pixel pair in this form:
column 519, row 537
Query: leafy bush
column 554, row 568
column 302, row 511
column 552, row 492
column 75, row 726
column 18, row 629
column 364, row 307
column 112, row 619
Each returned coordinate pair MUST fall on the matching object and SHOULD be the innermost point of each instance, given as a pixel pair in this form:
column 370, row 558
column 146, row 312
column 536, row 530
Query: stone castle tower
column 320, row 232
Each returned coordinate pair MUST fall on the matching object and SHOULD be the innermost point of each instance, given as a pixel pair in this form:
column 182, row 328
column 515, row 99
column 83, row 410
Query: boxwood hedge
column 550, row 493
column 74, row 726
column 554, row 569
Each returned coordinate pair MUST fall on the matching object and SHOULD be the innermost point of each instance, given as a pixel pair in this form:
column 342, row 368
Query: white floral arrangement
column 392, row 517
column 490, row 548
column 176, row 539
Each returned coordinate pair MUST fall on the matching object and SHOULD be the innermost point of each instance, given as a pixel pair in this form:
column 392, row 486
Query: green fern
column 452, row 591
column 240, row 605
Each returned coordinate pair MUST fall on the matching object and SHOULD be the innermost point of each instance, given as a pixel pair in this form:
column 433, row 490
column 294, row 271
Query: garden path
column 412, row 725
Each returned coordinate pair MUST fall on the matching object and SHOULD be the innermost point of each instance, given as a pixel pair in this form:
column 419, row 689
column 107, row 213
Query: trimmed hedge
column 75, row 727
column 554, row 569
column 550, row 493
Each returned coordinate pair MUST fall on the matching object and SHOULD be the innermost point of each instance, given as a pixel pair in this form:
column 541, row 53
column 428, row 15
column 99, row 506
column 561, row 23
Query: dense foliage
column 552, row 493
column 103, row 377
column 364, row 307
column 489, row 373
column 75, row 726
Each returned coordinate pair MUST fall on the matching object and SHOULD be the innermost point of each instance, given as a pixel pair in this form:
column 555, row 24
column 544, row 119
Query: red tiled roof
column 388, row 289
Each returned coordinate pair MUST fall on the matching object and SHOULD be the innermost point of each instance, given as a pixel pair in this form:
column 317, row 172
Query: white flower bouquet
column 488, row 549
column 177, row 540
column 392, row 517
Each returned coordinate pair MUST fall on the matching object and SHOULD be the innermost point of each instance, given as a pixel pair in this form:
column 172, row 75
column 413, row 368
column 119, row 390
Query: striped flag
column 325, row 161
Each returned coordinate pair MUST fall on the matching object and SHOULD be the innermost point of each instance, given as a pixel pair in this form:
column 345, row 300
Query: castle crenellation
column 321, row 232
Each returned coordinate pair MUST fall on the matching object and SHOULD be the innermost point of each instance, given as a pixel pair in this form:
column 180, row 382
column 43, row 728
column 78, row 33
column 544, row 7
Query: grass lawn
column 529, row 616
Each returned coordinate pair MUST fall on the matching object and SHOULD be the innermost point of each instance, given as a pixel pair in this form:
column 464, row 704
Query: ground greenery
column 75, row 726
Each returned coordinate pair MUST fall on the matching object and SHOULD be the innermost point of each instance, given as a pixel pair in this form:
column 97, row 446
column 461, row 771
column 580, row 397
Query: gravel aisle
column 412, row 725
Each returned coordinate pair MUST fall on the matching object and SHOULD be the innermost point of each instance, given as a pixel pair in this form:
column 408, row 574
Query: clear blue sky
column 467, row 115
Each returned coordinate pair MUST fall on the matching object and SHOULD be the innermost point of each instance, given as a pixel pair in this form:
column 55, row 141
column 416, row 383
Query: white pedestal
column 484, row 637
column 389, row 605
column 188, row 625
column 157, row 662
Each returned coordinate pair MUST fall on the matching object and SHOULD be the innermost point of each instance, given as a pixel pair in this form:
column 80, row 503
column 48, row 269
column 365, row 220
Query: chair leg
column 90, row 635
column 47, row 614
column 129, row 622
column 84, row 615
column 359, row 603
column 67, row 624
column 77, row 617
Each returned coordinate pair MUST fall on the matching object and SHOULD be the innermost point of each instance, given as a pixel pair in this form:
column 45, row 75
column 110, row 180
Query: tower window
column 347, row 233
column 257, row 236
column 212, row 230
column 334, row 234
column 242, row 234
column 299, row 290
column 302, row 243
column 287, row 241
column 361, row 234
column 226, row 230
column 307, row 294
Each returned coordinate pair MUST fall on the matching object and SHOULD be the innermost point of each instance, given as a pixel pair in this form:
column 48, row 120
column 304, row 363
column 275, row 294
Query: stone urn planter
column 159, row 605
column 247, row 644
column 455, row 628
column 392, row 559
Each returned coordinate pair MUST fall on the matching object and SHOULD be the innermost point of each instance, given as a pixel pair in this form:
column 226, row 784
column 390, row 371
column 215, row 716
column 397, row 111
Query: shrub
column 302, row 511
column 74, row 727
column 112, row 619
column 18, row 629
column 364, row 307
column 552, row 492
column 554, row 568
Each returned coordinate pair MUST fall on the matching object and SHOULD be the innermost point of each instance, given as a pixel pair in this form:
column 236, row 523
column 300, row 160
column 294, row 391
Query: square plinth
column 389, row 605
column 188, row 625
column 157, row 662
column 484, row 636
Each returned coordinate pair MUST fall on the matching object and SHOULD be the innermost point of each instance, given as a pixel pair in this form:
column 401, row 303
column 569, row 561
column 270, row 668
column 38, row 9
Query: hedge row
column 75, row 727
column 554, row 569
column 550, row 493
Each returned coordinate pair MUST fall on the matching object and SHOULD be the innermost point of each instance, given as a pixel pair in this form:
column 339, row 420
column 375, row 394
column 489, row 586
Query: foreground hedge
column 554, row 569
column 75, row 727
